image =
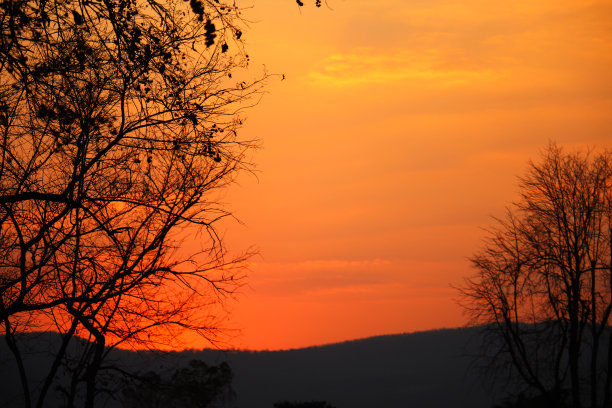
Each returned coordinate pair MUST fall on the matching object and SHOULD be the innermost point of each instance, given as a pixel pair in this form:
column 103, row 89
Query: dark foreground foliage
column 550, row 400
column 197, row 385
column 310, row 404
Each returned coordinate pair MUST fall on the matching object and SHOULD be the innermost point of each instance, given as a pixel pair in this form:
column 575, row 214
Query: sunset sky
column 398, row 132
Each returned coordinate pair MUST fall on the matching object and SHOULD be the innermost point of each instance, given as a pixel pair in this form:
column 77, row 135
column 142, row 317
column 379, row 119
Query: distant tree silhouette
column 195, row 386
column 310, row 404
column 544, row 280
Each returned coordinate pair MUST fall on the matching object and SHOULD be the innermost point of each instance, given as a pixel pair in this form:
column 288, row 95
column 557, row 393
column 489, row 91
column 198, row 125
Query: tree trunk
column 595, row 346
column 10, row 341
column 574, row 347
column 56, row 363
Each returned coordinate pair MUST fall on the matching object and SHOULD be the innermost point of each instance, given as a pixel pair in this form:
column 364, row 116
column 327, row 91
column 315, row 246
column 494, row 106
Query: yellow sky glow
column 399, row 129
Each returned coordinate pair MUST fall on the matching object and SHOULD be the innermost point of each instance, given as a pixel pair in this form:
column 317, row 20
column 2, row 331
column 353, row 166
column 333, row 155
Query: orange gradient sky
column 398, row 132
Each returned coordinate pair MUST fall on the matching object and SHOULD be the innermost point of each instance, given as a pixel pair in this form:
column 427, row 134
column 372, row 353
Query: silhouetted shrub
column 550, row 400
column 195, row 386
column 311, row 404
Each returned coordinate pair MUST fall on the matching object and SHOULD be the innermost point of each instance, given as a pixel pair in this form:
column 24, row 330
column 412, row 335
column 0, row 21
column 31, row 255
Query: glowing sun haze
column 399, row 130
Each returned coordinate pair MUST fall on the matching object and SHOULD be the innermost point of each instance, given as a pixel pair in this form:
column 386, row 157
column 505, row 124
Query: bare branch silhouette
column 544, row 280
column 119, row 124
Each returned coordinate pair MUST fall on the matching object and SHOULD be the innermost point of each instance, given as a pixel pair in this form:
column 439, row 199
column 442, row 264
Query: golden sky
column 398, row 132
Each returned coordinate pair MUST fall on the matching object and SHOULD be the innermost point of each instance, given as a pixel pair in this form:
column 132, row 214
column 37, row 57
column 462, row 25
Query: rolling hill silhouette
column 420, row 370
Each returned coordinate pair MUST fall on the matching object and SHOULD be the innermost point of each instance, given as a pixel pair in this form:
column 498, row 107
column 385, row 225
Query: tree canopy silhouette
column 544, row 280
column 197, row 385
column 118, row 123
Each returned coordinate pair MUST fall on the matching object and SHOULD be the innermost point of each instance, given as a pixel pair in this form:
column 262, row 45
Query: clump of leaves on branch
column 301, row 3
column 118, row 122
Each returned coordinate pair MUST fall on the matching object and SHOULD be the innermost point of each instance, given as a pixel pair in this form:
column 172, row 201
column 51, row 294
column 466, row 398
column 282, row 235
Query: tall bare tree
column 118, row 123
column 544, row 279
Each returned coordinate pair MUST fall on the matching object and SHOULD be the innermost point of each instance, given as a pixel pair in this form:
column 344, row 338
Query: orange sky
column 399, row 130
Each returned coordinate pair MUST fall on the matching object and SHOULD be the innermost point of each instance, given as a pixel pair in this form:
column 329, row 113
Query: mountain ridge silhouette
column 425, row 369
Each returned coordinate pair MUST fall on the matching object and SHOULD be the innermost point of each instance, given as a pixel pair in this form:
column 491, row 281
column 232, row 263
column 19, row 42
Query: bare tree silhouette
column 544, row 279
column 119, row 123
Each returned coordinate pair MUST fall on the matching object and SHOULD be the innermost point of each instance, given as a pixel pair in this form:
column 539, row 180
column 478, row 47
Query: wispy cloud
column 367, row 66
column 292, row 278
column 322, row 278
